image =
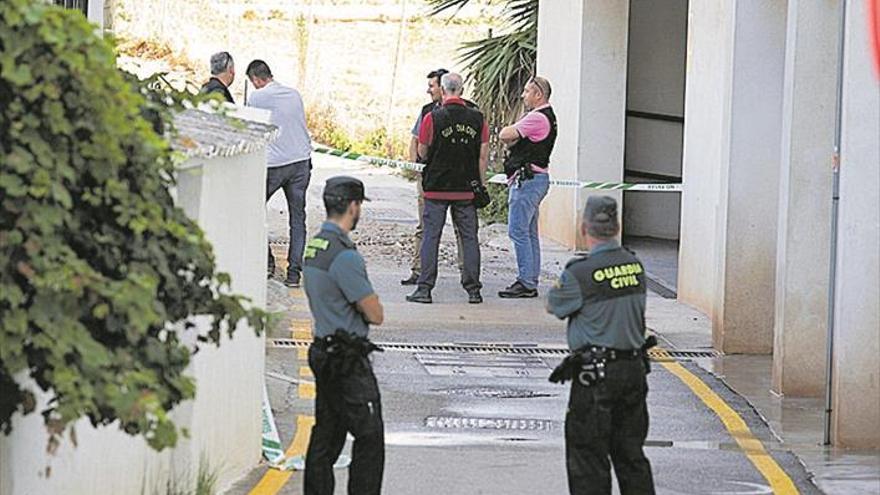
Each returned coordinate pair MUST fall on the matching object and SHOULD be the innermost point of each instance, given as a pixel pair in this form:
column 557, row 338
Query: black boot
column 517, row 290
column 474, row 296
column 412, row 280
column 292, row 279
column 421, row 295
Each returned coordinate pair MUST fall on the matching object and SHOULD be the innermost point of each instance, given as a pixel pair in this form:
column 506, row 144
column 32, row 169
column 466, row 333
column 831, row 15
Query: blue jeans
column 522, row 227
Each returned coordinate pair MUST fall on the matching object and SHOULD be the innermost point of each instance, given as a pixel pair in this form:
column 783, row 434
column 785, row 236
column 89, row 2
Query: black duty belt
column 611, row 354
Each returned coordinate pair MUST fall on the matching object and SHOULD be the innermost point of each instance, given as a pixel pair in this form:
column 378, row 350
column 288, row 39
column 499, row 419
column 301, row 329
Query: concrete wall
column 709, row 55
column 560, row 24
column 731, row 166
column 655, row 84
column 590, row 99
column 226, row 196
column 857, row 338
column 810, row 100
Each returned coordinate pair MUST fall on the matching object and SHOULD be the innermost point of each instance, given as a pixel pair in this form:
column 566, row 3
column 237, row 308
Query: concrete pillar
column 733, row 116
column 589, row 98
column 810, row 99
column 856, row 404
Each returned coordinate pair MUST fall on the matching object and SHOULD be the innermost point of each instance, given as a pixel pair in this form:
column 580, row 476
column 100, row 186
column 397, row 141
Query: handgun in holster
column 586, row 365
column 346, row 352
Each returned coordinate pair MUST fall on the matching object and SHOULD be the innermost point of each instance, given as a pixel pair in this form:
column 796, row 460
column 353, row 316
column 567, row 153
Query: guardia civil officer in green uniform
column 343, row 305
column 603, row 297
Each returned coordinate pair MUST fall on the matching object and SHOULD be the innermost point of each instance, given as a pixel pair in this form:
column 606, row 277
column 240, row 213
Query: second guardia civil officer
column 343, row 305
column 603, row 297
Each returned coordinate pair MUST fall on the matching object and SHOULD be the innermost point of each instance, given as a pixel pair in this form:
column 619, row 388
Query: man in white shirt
column 289, row 159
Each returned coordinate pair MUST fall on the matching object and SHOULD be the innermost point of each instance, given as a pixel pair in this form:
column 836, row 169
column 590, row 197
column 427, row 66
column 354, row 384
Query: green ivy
column 100, row 274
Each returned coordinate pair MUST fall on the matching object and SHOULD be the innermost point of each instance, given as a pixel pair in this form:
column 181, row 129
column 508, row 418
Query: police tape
column 373, row 160
column 605, row 186
column 501, row 178
column 273, row 451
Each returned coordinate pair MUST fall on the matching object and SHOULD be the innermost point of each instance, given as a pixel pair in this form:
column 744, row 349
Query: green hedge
column 100, row 273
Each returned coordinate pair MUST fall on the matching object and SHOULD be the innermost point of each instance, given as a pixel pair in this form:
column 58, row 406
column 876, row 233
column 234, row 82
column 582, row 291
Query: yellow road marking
column 779, row 481
column 305, row 371
column 302, row 353
column 274, row 479
column 301, row 329
column 306, row 390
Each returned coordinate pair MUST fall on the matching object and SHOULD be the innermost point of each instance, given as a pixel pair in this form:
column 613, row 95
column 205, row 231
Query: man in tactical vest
column 603, row 297
column 454, row 144
column 530, row 142
column 436, row 101
column 343, row 305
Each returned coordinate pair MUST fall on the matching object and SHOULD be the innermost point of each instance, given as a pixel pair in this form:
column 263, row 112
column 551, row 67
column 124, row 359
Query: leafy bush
column 100, row 274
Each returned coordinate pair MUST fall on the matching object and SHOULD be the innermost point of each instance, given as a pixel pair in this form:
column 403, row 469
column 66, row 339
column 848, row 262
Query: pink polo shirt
column 534, row 126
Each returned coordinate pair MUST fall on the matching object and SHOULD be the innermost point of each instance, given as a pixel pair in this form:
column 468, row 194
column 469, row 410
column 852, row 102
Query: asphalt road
column 490, row 422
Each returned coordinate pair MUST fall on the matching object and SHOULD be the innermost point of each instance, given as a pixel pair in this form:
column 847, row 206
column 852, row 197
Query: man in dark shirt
column 454, row 145
column 222, row 75
column 603, row 297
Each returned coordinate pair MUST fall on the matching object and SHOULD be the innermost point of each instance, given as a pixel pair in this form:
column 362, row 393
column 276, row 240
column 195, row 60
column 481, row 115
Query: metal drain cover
column 481, row 365
column 504, row 349
column 470, row 423
column 494, row 393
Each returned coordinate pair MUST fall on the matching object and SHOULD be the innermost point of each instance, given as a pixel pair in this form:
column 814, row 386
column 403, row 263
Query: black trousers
column 464, row 217
column 294, row 180
column 606, row 421
column 346, row 404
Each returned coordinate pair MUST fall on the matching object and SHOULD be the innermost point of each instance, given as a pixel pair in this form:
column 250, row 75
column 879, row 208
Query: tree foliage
column 100, row 274
column 499, row 66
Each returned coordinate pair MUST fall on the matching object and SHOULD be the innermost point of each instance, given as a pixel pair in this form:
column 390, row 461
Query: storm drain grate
column 504, row 348
column 493, row 393
column 470, row 423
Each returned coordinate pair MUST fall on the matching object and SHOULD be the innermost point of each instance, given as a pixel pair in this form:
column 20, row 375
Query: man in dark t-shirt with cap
column 343, row 305
column 603, row 296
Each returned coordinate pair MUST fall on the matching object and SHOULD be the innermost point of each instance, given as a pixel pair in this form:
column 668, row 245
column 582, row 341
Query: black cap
column 600, row 215
column 345, row 188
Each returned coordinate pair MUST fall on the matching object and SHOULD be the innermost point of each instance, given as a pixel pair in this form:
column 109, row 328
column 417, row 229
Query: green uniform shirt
column 603, row 295
column 335, row 279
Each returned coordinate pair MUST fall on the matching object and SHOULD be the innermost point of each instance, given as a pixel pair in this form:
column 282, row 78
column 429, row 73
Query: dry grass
column 339, row 53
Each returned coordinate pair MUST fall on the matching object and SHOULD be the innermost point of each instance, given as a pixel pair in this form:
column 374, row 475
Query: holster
column 345, row 352
column 566, row 369
column 650, row 341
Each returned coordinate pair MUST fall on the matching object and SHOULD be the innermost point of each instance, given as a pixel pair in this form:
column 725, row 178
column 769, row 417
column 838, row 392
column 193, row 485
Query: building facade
column 737, row 100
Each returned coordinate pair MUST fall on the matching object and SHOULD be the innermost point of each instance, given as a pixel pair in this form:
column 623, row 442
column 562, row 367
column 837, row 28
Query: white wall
column 96, row 13
column 731, row 168
column 582, row 51
column 560, row 24
column 226, row 196
column 709, row 74
column 802, row 261
column 857, row 327
column 655, row 83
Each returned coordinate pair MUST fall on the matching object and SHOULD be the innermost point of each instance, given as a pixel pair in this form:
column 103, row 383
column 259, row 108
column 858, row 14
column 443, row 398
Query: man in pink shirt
column 530, row 142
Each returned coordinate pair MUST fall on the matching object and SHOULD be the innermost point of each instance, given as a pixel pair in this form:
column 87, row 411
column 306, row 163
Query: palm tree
column 499, row 66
